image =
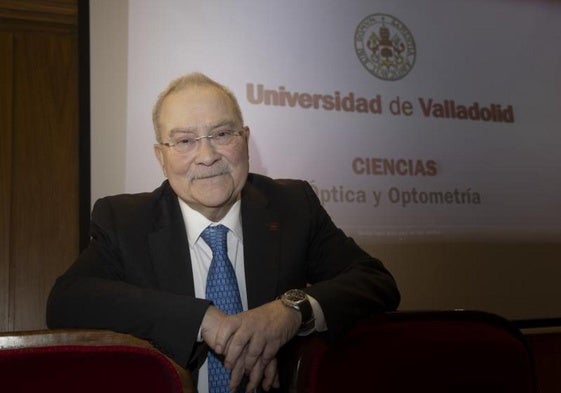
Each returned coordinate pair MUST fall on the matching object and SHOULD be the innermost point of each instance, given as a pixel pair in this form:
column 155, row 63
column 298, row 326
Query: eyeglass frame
column 210, row 137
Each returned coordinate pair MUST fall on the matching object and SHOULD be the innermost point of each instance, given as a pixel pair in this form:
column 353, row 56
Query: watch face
column 295, row 295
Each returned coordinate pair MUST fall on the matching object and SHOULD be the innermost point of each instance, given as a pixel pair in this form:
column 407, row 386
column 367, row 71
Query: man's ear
column 161, row 158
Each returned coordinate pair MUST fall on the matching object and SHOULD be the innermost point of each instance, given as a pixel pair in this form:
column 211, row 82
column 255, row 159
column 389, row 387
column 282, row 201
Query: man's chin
column 212, row 192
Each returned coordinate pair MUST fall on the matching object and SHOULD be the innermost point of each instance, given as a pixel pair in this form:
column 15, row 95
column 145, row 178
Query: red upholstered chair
column 86, row 361
column 436, row 352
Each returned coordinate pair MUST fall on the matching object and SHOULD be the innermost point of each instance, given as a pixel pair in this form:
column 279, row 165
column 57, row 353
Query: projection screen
column 428, row 129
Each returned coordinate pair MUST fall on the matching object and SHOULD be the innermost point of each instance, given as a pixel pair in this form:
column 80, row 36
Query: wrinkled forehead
column 197, row 108
column 208, row 100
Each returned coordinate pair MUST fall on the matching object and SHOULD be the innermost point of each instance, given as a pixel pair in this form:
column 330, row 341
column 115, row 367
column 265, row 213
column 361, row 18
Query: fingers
column 237, row 343
column 254, row 351
column 266, row 373
column 263, row 331
column 255, row 376
column 270, row 351
column 236, row 376
column 250, row 340
column 212, row 319
column 255, row 366
column 226, row 331
column 271, row 376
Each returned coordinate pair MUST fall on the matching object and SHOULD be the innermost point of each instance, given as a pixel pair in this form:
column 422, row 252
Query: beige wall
column 515, row 280
column 108, row 70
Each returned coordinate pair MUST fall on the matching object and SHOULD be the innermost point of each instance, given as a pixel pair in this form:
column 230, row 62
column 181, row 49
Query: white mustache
column 218, row 169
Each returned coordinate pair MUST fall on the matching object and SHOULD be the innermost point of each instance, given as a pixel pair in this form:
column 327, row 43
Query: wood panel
column 45, row 170
column 38, row 15
column 38, row 154
column 6, row 70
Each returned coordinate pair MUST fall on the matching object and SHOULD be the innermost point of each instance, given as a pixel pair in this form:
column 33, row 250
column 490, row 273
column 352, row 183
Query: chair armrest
column 86, row 337
column 299, row 362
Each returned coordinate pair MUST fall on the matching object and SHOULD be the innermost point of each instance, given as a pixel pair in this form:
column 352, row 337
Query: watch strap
column 308, row 319
column 302, row 305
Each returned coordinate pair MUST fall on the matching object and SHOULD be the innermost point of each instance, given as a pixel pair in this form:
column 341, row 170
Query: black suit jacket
column 135, row 276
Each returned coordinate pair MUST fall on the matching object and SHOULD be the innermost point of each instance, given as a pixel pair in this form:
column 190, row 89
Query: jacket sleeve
column 348, row 283
column 111, row 287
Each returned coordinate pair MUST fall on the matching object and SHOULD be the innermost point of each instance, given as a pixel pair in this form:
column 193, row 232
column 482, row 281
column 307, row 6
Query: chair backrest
column 86, row 361
column 437, row 352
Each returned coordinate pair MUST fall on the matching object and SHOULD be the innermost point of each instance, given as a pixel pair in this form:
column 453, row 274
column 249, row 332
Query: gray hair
column 184, row 82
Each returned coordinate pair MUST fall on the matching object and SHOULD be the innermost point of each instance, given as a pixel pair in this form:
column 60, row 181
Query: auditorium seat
column 86, row 361
column 436, row 351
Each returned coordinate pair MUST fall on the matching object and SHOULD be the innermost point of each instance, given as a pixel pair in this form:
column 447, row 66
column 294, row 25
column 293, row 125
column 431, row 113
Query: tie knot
column 215, row 237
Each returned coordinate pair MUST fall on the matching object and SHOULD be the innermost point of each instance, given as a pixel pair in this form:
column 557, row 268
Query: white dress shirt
column 201, row 257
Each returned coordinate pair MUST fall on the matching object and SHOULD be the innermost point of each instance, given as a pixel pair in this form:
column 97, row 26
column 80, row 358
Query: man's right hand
column 250, row 340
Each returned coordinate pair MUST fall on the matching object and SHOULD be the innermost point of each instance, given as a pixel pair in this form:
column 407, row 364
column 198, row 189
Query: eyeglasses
column 186, row 145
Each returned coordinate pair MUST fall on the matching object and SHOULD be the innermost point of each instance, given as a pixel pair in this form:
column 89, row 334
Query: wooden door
column 39, row 202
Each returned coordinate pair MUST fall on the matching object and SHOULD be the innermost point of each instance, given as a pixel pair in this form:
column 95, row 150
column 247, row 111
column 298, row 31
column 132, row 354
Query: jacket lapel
column 169, row 248
column 261, row 236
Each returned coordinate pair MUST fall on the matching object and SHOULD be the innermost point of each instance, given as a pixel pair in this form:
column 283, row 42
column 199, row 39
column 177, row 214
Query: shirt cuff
column 320, row 324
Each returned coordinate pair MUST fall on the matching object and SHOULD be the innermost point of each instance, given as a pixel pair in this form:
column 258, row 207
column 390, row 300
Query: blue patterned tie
column 222, row 289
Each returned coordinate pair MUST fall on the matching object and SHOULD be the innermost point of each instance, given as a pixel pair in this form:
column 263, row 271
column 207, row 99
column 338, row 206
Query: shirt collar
column 196, row 223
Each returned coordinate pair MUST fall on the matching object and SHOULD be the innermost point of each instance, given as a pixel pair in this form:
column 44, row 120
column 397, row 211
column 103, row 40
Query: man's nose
column 206, row 151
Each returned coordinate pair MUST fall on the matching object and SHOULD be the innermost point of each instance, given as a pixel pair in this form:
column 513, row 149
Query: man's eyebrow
column 175, row 131
column 228, row 123
column 193, row 130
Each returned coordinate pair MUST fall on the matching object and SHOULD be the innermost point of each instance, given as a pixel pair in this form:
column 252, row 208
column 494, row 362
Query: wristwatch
column 298, row 300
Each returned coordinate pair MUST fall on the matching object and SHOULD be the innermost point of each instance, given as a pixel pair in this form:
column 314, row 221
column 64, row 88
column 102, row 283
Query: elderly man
column 218, row 267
